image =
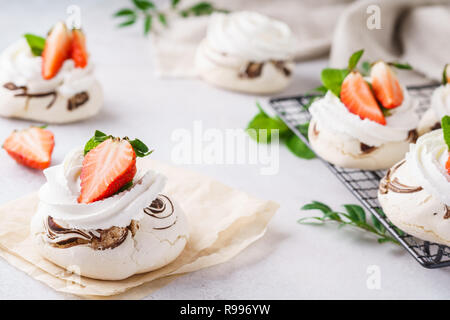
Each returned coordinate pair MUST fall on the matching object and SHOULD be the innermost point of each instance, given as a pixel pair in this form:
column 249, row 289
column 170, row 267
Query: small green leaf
column 354, row 59
column 143, row 4
column 445, row 124
column 306, row 220
column 126, row 186
column 444, row 75
column 405, row 66
column 147, row 24
column 332, row 79
column 127, row 23
column 124, row 12
column 162, row 19
column 356, row 211
column 316, row 205
column 377, row 224
column 303, row 128
column 299, row 148
column 175, row 3
column 262, row 122
column 140, row 148
column 365, row 68
column 36, row 43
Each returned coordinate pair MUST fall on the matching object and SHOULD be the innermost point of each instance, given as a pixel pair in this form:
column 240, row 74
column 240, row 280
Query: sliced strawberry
column 447, row 165
column 106, row 169
column 56, row 50
column 359, row 99
column 31, row 147
column 79, row 53
column 386, row 86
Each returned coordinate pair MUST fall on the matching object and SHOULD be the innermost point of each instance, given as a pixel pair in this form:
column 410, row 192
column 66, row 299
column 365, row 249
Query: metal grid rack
column 363, row 183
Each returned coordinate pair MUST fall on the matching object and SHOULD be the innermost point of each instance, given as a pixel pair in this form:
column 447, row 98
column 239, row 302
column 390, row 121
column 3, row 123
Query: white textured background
column 291, row 261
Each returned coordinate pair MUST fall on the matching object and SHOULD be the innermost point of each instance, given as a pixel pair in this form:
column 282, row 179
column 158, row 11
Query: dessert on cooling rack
column 247, row 52
column 440, row 105
column 102, row 214
column 415, row 193
column 49, row 79
column 365, row 122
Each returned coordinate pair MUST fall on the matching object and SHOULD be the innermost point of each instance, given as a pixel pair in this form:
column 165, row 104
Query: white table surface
column 291, row 261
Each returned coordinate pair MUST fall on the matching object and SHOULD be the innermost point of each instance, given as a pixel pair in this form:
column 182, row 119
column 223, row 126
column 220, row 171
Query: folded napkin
column 223, row 222
column 413, row 31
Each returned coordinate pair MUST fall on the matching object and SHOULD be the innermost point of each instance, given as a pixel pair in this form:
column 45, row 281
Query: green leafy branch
column 262, row 126
column 139, row 147
column 354, row 216
column 147, row 10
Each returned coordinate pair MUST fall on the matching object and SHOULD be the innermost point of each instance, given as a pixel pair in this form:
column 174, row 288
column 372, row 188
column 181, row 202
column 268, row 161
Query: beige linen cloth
column 223, row 221
column 414, row 31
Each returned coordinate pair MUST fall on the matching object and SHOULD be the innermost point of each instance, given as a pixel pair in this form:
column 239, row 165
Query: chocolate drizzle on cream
column 98, row 239
column 412, row 136
column 24, row 93
column 160, row 205
column 254, row 69
column 77, row 100
column 366, row 148
column 394, row 185
column 436, row 126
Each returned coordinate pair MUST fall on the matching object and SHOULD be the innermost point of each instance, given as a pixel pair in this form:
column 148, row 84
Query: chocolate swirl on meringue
column 159, row 206
column 387, row 183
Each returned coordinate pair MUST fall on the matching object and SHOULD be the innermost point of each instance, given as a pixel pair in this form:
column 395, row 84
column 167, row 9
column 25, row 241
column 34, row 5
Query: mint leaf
column 124, row 187
column 445, row 123
column 405, row 66
column 356, row 211
column 98, row 138
column 354, row 59
column 140, row 148
column 332, row 79
column 162, row 18
column 303, row 128
column 365, row 68
column 299, row 148
column 147, row 24
column 143, row 4
column 36, row 43
column 263, row 121
column 316, row 205
column 124, row 12
column 444, row 75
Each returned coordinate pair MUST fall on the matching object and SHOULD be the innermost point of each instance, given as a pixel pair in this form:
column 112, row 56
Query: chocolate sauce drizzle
column 158, row 206
column 254, row 69
column 77, row 100
column 73, row 103
column 98, row 239
column 11, row 86
column 387, row 183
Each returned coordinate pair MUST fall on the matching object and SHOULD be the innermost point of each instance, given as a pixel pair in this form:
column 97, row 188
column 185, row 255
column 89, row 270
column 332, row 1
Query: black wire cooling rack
column 363, row 183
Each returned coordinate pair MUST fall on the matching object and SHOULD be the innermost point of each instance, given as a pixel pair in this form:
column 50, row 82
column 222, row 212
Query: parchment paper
column 223, row 221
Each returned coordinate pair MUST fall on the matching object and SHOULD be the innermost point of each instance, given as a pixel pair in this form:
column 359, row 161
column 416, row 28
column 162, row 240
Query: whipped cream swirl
column 331, row 114
column 440, row 101
column 58, row 197
column 251, row 36
column 19, row 66
column 427, row 159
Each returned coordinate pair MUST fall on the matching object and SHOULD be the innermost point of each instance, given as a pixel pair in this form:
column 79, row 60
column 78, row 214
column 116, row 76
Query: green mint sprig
column 148, row 11
column 445, row 124
column 332, row 78
column 139, row 147
column 36, row 43
column 263, row 121
column 354, row 216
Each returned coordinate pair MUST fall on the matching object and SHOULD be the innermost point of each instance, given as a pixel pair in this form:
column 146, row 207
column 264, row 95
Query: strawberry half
column 31, row 147
column 359, row 99
column 79, row 53
column 447, row 164
column 106, row 169
column 386, row 86
column 56, row 50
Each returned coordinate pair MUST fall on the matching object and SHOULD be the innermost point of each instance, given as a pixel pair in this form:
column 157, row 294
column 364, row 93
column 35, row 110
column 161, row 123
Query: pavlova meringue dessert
column 362, row 125
column 247, row 52
column 101, row 214
column 415, row 193
column 440, row 105
column 49, row 79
